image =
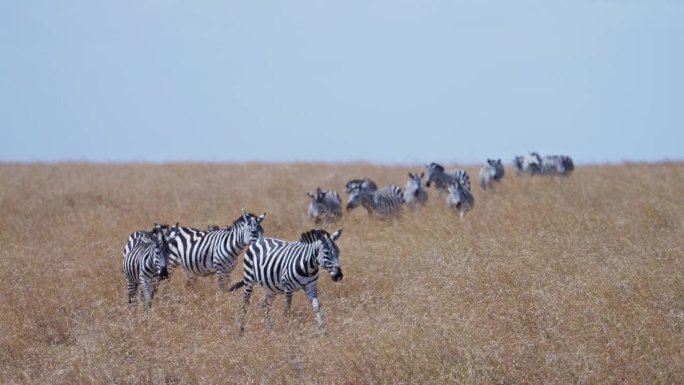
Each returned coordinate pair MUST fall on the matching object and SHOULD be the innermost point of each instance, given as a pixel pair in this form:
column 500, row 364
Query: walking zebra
column 145, row 261
column 201, row 253
column 415, row 194
column 460, row 198
column 325, row 206
column 284, row 267
column 442, row 179
column 384, row 203
column 492, row 171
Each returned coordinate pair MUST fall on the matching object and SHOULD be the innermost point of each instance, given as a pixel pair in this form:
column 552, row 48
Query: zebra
column 384, row 203
column 460, row 198
column 528, row 164
column 415, row 194
column 492, row 171
column 202, row 253
column 442, row 179
column 145, row 262
column 325, row 206
column 284, row 267
column 557, row 164
column 364, row 183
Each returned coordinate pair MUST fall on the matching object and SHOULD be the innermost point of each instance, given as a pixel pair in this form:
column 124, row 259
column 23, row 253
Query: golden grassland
column 575, row 280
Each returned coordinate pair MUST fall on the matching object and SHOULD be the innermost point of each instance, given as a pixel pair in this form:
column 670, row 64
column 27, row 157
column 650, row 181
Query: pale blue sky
column 382, row 81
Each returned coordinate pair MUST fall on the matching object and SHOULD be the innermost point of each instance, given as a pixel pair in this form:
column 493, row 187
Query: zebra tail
column 237, row 285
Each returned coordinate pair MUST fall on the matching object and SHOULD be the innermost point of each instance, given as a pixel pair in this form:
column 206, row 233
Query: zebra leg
column 313, row 297
column 147, row 293
column 266, row 306
column 288, row 303
column 223, row 279
column 132, row 289
column 245, row 303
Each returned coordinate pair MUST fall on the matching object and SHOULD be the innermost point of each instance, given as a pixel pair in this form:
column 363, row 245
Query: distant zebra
column 492, row 171
column 365, row 184
column 460, row 198
column 325, row 206
column 284, row 267
column 201, row 253
column 557, row 165
column 145, row 261
column 415, row 194
column 384, row 203
column 442, row 179
column 528, row 164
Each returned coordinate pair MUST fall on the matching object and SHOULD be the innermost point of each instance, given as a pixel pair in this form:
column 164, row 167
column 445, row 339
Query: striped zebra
column 202, row 253
column 325, row 206
column 145, row 261
column 492, row 171
column 528, row 164
column 557, row 165
column 384, row 203
column 443, row 179
column 415, row 193
column 284, row 267
column 460, row 198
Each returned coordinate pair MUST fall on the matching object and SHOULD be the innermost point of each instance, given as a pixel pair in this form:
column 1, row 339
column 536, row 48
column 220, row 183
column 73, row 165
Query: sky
column 389, row 82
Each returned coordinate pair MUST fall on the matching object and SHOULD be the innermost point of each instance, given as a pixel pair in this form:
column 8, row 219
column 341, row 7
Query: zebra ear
column 422, row 174
column 262, row 216
column 244, row 214
column 336, row 235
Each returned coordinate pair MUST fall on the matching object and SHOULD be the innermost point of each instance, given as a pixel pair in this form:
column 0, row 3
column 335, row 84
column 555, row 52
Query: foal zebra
column 415, row 194
column 284, row 267
column 325, row 206
column 460, row 198
column 201, row 253
column 145, row 261
column 384, row 203
column 443, row 179
column 492, row 171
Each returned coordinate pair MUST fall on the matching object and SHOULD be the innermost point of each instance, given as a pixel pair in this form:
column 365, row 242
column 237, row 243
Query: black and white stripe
column 460, row 198
column 443, row 179
column 284, row 267
column 492, row 171
column 415, row 194
column 384, row 203
column 201, row 253
column 145, row 261
column 527, row 164
column 365, row 184
column 325, row 206
column 557, row 165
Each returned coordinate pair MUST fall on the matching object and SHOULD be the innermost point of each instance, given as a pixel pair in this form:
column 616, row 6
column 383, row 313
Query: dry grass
column 547, row 281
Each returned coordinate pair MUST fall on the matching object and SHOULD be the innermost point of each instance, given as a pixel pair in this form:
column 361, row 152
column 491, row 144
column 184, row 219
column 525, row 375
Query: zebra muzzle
column 336, row 274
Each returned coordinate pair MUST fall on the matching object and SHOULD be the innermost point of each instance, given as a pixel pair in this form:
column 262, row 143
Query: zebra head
column 162, row 235
column 328, row 253
column 317, row 202
column 364, row 183
column 435, row 171
column 359, row 196
column 415, row 181
column 250, row 227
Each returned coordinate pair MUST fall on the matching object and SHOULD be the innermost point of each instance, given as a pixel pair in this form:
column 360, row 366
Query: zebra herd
column 284, row 267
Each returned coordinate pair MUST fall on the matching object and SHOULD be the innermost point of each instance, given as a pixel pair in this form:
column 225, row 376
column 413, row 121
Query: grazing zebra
column 202, row 253
column 365, row 184
column 146, row 262
column 442, row 179
column 557, row 165
column 492, row 171
column 284, row 267
column 384, row 203
column 415, row 194
column 325, row 206
column 530, row 164
column 460, row 199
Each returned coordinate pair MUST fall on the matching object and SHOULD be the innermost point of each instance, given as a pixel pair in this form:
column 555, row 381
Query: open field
column 575, row 280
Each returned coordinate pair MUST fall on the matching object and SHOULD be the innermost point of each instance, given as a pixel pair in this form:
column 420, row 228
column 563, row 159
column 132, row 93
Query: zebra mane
column 436, row 166
column 313, row 236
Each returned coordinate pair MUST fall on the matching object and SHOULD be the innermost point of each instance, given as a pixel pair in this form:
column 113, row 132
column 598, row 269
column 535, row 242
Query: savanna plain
column 550, row 280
